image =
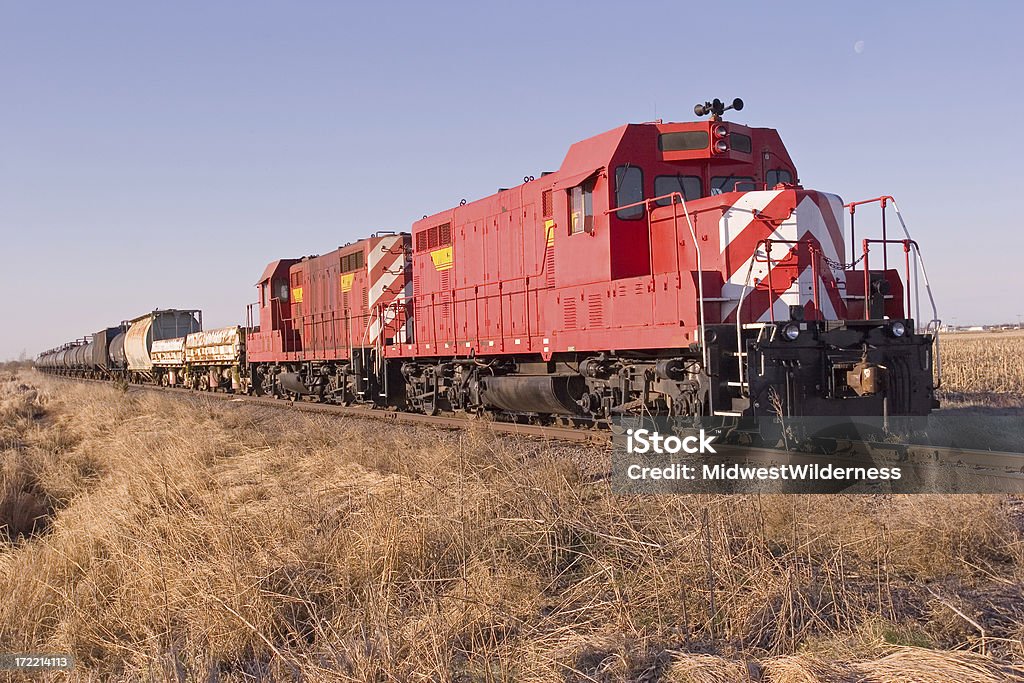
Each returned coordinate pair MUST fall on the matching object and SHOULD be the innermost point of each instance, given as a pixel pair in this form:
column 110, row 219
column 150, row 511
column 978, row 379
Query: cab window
column 629, row 189
column 731, row 183
column 739, row 142
column 683, row 141
column 281, row 288
column 581, row 207
column 776, row 176
column 686, row 185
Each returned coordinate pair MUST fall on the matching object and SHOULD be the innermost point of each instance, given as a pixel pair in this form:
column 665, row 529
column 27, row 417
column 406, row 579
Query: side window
column 629, row 189
column 282, row 290
column 264, row 287
column 776, row 176
column 687, row 185
column 581, row 207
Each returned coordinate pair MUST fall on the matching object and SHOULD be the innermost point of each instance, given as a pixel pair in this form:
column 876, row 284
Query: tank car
column 105, row 342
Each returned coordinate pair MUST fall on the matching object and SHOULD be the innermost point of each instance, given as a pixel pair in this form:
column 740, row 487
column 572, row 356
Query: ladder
column 741, row 386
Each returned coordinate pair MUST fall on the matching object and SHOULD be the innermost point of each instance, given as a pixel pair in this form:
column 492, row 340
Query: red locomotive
column 669, row 268
column 324, row 321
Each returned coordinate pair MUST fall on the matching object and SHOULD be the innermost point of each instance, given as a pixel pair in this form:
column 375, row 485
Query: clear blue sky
column 160, row 154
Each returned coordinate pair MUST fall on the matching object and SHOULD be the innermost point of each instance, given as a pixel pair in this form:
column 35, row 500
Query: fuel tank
column 291, row 381
column 546, row 394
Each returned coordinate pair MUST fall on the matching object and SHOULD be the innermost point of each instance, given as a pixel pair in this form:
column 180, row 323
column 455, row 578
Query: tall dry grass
column 206, row 540
column 983, row 369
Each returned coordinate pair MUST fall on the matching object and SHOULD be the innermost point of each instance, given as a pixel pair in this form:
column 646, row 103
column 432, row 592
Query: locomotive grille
column 446, row 296
column 570, row 314
column 546, row 204
column 351, row 262
column 549, row 266
column 421, row 240
column 595, row 310
column 444, row 234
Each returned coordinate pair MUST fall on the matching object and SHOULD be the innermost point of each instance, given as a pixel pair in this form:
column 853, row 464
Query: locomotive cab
column 272, row 324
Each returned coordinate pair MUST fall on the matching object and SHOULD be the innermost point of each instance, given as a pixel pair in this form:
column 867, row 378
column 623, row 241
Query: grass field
column 156, row 538
column 983, row 371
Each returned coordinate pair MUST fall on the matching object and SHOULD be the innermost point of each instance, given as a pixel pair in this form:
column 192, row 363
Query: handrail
column 815, row 274
column 935, row 323
column 672, row 197
column 852, row 206
column 924, row 271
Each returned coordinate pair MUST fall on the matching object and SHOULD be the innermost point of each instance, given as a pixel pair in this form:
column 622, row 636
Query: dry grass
column 195, row 540
column 983, row 370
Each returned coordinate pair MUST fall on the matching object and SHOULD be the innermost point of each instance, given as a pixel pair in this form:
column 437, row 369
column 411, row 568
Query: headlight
column 791, row 331
column 898, row 329
column 721, row 146
column 720, row 131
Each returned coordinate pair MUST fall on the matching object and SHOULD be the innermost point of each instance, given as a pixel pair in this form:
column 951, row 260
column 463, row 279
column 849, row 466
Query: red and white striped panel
column 390, row 289
column 780, row 215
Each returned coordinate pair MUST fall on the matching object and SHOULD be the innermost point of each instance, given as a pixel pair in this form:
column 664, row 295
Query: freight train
column 664, row 269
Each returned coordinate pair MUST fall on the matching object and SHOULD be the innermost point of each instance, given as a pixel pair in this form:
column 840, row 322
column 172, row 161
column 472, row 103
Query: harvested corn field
column 985, row 370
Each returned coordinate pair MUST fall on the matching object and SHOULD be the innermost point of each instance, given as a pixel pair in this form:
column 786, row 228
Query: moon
column 858, row 47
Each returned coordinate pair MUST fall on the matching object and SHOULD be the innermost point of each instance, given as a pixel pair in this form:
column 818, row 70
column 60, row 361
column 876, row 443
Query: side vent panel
column 569, row 314
column 549, row 266
column 595, row 310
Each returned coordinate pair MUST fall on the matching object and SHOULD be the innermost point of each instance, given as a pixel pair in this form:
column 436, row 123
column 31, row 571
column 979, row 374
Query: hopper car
column 678, row 269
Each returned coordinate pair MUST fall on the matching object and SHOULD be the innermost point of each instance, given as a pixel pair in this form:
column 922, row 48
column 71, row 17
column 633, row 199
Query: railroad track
column 1004, row 469
column 595, row 437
